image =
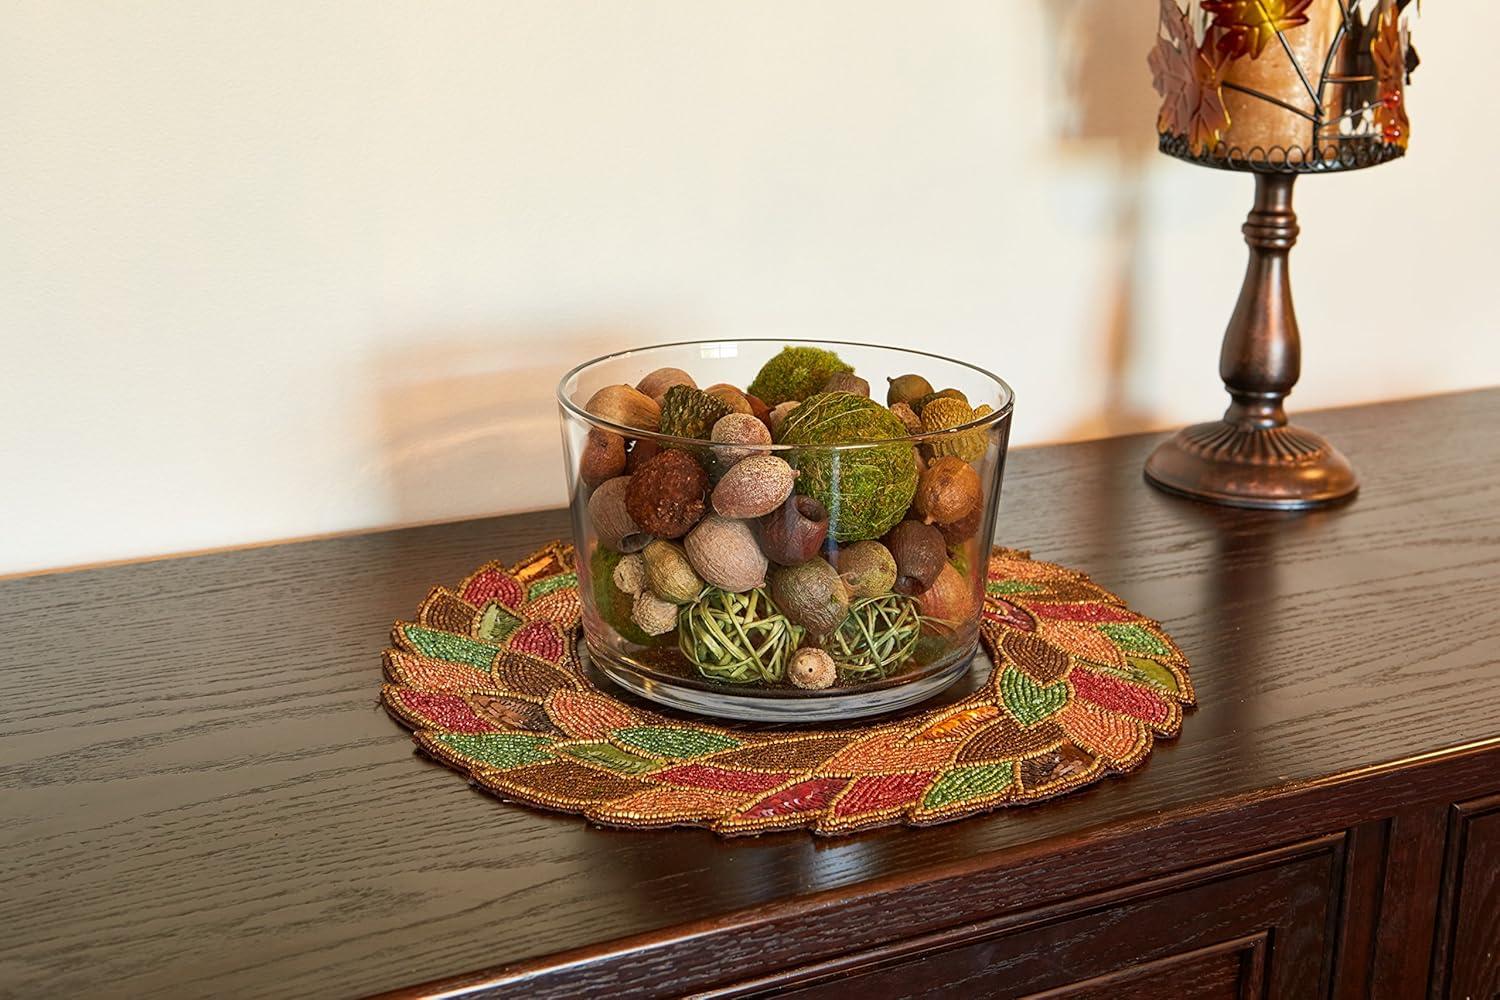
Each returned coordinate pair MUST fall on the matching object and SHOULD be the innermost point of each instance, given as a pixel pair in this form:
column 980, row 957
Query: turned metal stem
column 1262, row 354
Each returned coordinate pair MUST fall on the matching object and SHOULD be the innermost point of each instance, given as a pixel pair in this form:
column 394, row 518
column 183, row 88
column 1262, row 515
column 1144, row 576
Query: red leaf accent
column 1119, row 696
column 882, row 791
column 539, row 639
column 491, row 584
column 805, row 796
column 1008, row 614
column 447, row 712
column 1079, row 612
column 720, row 779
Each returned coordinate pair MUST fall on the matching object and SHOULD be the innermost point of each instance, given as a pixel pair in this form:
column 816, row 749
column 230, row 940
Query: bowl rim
column 1000, row 414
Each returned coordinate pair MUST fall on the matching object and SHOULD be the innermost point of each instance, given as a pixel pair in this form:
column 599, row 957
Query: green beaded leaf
column 450, row 647
column 972, row 782
column 1028, row 701
column 607, row 755
column 542, row 588
column 1005, row 588
column 502, row 750
column 1134, row 639
column 497, row 624
column 671, row 741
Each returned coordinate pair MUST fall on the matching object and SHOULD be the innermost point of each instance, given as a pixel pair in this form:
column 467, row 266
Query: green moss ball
column 795, row 374
column 866, row 490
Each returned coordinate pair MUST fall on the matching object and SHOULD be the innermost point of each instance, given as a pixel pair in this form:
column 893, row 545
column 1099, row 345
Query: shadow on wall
column 1106, row 119
column 467, row 419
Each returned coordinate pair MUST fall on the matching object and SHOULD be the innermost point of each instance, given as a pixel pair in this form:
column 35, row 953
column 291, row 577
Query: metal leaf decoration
column 1189, row 79
column 1390, row 71
column 1246, row 27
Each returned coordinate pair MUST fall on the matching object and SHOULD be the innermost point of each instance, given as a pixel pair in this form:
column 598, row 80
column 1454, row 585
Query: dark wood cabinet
column 199, row 796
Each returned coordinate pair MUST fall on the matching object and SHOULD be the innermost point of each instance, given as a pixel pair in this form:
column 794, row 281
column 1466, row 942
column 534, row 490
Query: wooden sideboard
column 201, row 796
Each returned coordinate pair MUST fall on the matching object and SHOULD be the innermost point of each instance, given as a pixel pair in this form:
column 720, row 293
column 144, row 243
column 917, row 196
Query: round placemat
column 489, row 679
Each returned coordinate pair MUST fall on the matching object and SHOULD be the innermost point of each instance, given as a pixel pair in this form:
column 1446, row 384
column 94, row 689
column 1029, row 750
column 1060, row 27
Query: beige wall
column 270, row 269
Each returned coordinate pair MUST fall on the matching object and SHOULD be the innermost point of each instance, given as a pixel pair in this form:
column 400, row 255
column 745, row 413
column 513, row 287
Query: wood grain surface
column 201, row 796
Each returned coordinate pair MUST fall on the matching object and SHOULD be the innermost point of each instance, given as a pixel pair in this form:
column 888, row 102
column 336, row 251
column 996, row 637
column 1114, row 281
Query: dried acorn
column 811, row 669
column 812, row 594
column 794, row 533
column 948, row 603
column 603, row 457
column 754, row 487
column 611, row 517
column 847, row 382
column 654, row 615
column 666, row 494
column 724, row 553
column 960, row 531
column 905, row 388
column 908, row 417
column 948, row 491
column 868, row 568
column 920, row 555
column 921, row 402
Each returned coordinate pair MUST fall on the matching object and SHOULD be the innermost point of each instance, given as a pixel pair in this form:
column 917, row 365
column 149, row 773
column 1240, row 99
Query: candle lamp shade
column 1277, row 88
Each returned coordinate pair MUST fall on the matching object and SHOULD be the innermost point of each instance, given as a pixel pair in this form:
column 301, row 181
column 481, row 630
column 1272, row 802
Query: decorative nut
column 795, row 533
column 620, row 404
column 724, row 553
column 603, row 457
column 754, row 487
column 666, row 493
column 811, row 669
column 658, row 382
column 616, row 528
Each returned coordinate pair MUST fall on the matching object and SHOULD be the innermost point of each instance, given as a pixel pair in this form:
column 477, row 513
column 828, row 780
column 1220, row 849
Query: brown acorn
column 949, row 603
column 603, row 457
column 847, row 382
column 868, row 568
column 723, row 552
column 963, row 529
column 812, row 594
column 905, row 388
column 948, row 491
column 656, row 383
column 666, row 494
column 920, row 555
column 761, row 410
column 907, row 416
column 754, row 487
column 795, row 533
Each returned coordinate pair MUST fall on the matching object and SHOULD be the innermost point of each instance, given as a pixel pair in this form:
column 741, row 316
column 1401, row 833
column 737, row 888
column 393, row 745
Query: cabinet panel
column 1469, row 948
column 1252, row 928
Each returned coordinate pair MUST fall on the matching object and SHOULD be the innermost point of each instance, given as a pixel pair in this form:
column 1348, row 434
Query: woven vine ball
column 737, row 638
column 878, row 636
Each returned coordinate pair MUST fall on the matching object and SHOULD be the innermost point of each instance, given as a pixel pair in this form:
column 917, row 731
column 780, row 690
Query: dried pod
column 908, row 417
column 640, row 450
column 669, row 574
column 738, row 429
column 603, row 457
column 847, row 382
column 948, row 491
column 960, row 531
column 690, row 413
column 920, row 555
column 811, row 669
column 795, row 533
column 666, row 494
column 905, row 388
column 724, row 553
column 761, row 411
column 654, row 615
column 658, row 382
column 630, row 574
column 611, row 516
column 620, row 404
column 945, row 414
column 733, row 400
column 868, row 568
column 949, row 603
column 778, row 416
column 754, row 487
column 812, row 594
column 920, row 403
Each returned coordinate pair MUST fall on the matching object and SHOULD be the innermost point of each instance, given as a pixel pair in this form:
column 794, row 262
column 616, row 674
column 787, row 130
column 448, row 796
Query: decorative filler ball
column 812, row 669
column 878, row 637
column 865, row 490
column 689, row 412
column 944, row 413
column 613, row 602
column 737, row 638
column 795, row 374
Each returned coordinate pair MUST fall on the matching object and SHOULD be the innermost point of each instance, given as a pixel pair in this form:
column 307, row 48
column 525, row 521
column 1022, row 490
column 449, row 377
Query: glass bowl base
column 788, row 705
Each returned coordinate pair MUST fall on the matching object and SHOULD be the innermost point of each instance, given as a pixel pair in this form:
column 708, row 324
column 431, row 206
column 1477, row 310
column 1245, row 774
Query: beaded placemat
column 489, row 679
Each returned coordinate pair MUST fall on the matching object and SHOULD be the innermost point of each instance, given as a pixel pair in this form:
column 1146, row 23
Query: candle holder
column 1276, row 88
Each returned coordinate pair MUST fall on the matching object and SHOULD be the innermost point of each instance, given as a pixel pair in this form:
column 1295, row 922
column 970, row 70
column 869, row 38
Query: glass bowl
column 832, row 568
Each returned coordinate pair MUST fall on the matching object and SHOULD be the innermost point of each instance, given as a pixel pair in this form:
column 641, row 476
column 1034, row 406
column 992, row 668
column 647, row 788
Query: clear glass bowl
column 704, row 590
